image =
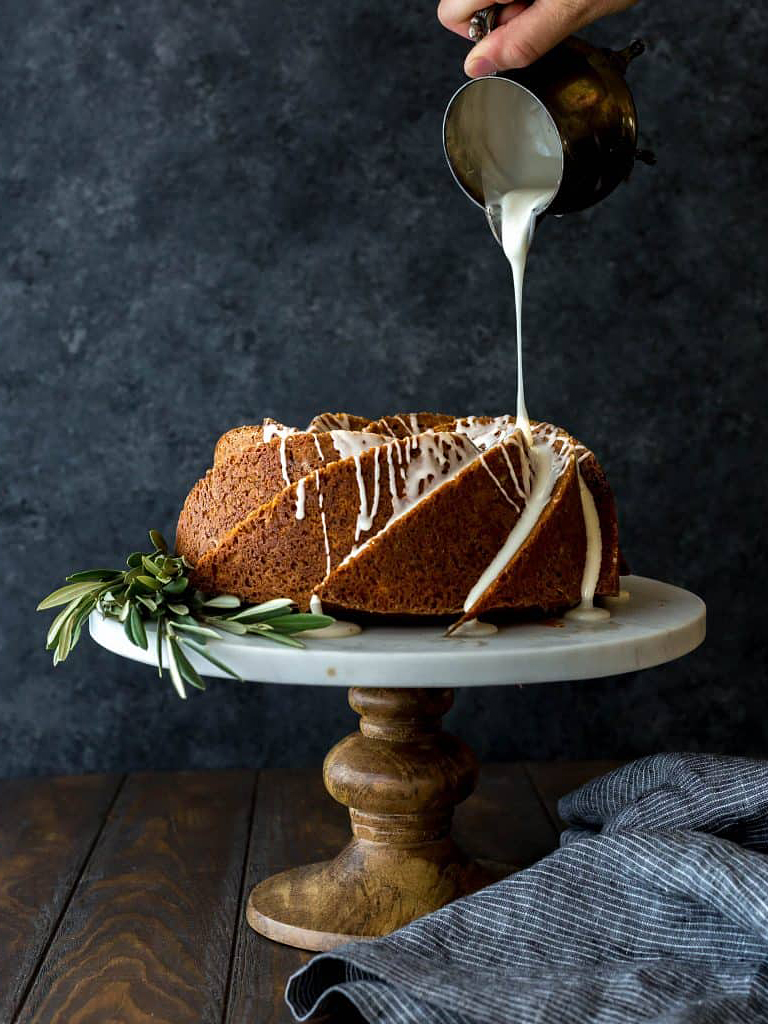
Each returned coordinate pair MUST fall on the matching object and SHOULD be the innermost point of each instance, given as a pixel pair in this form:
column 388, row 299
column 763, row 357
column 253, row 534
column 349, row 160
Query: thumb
column 527, row 37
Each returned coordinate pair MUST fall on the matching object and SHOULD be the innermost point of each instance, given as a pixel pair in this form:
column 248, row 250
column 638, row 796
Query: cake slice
column 424, row 562
column 290, row 545
column 246, row 476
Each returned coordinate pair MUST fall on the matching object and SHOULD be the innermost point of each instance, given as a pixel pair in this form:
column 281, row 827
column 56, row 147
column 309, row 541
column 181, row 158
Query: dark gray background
column 216, row 211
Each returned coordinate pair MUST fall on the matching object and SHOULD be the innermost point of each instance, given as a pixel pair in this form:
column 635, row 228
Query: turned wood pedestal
column 401, row 777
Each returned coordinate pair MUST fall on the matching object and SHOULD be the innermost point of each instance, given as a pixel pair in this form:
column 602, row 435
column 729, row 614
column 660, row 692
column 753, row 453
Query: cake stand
column 401, row 776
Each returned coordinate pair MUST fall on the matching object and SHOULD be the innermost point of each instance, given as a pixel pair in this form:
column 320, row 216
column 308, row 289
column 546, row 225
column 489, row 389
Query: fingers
column 537, row 28
column 456, row 14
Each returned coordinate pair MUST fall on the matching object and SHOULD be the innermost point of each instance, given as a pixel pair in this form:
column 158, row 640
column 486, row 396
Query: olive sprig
column 156, row 587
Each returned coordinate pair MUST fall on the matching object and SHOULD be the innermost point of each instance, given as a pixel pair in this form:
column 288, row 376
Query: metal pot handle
column 483, row 22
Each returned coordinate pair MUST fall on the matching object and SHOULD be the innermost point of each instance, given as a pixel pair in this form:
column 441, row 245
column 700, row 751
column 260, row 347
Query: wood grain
column 504, row 820
column 295, row 821
column 137, row 913
column 148, row 933
column 553, row 779
column 401, row 776
column 47, row 828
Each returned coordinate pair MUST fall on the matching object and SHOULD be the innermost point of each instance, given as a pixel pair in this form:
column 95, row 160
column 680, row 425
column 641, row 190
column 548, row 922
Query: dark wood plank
column 504, row 820
column 554, row 779
column 296, row 822
column 47, row 829
column 148, row 933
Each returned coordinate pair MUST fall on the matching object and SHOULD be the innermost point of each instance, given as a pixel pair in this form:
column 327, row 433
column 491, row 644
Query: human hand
column 525, row 30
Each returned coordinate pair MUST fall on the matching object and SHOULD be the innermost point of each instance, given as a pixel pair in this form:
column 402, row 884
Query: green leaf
column 197, row 630
column 125, row 611
column 160, row 648
column 300, row 623
column 229, row 627
column 173, row 668
column 67, row 624
column 79, row 618
column 149, row 565
column 149, row 582
column 223, row 601
column 147, row 602
column 134, row 559
column 188, row 671
column 94, row 575
column 63, row 644
column 205, row 653
column 177, row 586
column 263, row 611
column 137, row 628
column 158, row 540
column 59, row 621
column 190, row 621
column 65, row 594
column 281, row 638
column 178, row 609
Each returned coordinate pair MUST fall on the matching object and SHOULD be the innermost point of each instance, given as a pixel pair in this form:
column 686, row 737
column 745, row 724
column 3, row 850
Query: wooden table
column 122, row 898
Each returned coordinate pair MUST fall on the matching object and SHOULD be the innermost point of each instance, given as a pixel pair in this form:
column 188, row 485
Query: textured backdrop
column 216, row 210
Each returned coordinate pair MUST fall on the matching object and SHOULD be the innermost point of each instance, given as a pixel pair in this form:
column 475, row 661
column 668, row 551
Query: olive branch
column 156, row 588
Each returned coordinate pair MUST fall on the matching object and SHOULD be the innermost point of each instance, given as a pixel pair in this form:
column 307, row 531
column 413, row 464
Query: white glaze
column 518, row 218
column 325, row 525
column 349, row 443
column 283, row 461
column 594, row 545
column 585, row 611
column 301, row 498
column 362, row 515
column 319, row 448
column 328, row 421
column 496, row 480
column 591, row 614
column 366, row 513
column 335, row 631
column 547, row 467
column 473, row 628
column 513, row 475
column 272, row 430
column 368, row 522
column 486, row 435
column 429, row 461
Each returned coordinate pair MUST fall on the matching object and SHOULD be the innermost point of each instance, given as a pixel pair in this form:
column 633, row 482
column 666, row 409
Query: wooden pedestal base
column 401, row 776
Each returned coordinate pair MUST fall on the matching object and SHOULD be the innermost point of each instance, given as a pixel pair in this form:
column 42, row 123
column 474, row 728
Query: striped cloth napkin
column 654, row 908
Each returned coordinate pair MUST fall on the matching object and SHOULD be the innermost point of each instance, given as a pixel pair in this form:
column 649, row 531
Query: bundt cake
column 418, row 514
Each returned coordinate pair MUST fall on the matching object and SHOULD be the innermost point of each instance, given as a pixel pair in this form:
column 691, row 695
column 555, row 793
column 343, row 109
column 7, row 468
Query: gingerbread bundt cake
column 418, row 514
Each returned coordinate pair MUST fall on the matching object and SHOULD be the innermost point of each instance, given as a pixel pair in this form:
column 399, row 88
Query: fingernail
column 480, row 66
